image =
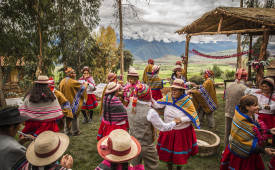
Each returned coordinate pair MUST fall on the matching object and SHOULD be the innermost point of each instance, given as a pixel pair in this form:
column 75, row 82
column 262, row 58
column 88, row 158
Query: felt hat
column 132, row 72
column 118, row 146
column 86, row 68
column 111, row 77
column 11, row 115
column 241, row 74
column 179, row 63
column 179, row 84
column 270, row 80
column 112, row 87
column 177, row 67
column 43, row 80
column 47, row 148
column 151, row 61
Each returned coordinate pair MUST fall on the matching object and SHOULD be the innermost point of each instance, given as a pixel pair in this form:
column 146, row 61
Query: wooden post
column 220, row 24
column 2, row 97
column 249, row 56
column 239, row 58
column 121, row 39
column 186, row 52
column 260, row 73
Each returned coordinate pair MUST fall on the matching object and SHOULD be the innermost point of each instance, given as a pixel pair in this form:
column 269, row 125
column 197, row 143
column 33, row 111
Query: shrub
column 229, row 74
column 217, row 71
column 198, row 79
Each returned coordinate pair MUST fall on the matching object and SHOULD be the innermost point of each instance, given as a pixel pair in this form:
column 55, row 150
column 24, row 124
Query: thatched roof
column 233, row 18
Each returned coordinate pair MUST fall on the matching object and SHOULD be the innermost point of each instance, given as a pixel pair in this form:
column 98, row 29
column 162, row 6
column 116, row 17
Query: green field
column 83, row 147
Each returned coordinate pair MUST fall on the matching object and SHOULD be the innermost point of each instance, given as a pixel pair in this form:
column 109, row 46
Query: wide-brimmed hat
column 47, row 148
column 11, row 115
column 111, row 77
column 112, row 87
column 179, row 84
column 43, row 80
column 118, row 147
column 86, row 68
column 177, row 67
column 270, row 80
column 132, row 72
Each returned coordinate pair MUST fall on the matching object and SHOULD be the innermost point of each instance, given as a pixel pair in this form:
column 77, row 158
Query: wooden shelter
column 234, row 20
column 12, row 76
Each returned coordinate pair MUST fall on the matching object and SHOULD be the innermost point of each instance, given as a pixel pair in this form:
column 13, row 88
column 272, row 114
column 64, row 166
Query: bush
column 217, row 71
column 229, row 74
column 198, row 79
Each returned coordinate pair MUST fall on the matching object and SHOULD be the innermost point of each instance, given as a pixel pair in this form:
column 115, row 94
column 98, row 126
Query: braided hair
column 124, row 166
column 105, row 103
column 40, row 93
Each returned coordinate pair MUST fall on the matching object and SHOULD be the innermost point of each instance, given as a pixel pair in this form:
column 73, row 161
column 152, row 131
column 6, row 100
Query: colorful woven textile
column 154, row 82
column 208, row 100
column 184, row 104
column 113, row 111
column 148, row 69
column 208, row 73
column 242, row 141
column 43, row 111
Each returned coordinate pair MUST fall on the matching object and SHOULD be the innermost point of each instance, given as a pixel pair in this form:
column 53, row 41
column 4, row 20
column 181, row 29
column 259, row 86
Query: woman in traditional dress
column 42, row 107
column 178, row 72
column 114, row 112
column 266, row 99
column 247, row 135
column 155, row 83
column 129, row 87
column 177, row 145
column 91, row 101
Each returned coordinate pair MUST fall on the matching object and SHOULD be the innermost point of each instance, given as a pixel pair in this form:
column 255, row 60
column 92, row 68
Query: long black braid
column 40, row 93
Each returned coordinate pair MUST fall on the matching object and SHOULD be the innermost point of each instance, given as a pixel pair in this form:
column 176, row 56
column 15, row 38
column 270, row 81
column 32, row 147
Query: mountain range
column 143, row 50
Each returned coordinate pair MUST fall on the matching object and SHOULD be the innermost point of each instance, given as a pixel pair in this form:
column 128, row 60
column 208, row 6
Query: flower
column 260, row 132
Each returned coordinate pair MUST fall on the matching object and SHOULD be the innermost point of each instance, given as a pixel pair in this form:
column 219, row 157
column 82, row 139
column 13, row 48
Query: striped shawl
column 242, row 141
column 41, row 112
column 184, row 104
column 117, row 111
column 154, row 82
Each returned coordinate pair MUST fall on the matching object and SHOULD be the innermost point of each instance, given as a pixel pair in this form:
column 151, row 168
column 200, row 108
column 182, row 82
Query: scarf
column 154, row 82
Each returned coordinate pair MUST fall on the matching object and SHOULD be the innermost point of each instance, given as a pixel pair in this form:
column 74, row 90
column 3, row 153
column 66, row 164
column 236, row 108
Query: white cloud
column 161, row 18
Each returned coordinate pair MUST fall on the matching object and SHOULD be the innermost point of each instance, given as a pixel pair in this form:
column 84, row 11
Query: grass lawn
column 83, row 147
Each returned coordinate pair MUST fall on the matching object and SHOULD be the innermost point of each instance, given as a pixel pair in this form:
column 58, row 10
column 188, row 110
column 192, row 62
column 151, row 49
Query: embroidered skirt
column 106, row 129
column 230, row 161
column 176, row 146
column 156, row 94
column 35, row 128
column 268, row 119
column 91, row 103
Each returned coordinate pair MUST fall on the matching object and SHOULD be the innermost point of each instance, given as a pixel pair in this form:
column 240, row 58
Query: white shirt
column 171, row 112
column 157, row 122
column 90, row 86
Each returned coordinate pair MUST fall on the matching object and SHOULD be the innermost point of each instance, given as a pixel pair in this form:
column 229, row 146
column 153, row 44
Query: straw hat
column 47, row 148
column 179, row 84
column 111, row 77
column 270, row 80
column 43, row 80
column 177, row 67
column 155, row 68
column 11, row 115
column 112, row 87
column 118, row 147
column 132, row 72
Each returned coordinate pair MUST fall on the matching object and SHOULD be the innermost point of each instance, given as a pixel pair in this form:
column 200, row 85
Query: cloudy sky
column 159, row 19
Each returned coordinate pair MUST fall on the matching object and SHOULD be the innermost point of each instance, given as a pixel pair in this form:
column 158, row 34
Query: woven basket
column 210, row 138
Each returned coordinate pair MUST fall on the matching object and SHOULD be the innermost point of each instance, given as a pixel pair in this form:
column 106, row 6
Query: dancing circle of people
column 131, row 121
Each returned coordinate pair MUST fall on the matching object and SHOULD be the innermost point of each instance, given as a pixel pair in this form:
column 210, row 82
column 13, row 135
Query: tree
column 128, row 60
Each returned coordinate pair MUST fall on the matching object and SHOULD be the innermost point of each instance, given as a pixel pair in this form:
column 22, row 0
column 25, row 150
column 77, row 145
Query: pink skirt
column 230, row 161
column 91, row 103
column 272, row 164
column 156, row 94
column 268, row 119
column 176, row 146
column 35, row 128
column 106, row 129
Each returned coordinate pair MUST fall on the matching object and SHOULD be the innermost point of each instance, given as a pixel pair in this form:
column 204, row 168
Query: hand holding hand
column 67, row 161
column 177, row 120
column 24, row 139
column 269, row 151
column 266, row 107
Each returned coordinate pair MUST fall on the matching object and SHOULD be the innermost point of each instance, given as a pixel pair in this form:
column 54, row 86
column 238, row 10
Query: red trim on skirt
column 176, row 146
column 35, row 128
column 106, row 129
column 268, row 119
column 156, row 94
column 91, row 103
column 231, row 161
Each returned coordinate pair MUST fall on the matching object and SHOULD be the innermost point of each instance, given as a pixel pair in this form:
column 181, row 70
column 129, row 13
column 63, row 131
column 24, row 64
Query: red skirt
column 35, row 128
column 106, row 129
column 272, row 164
column 91, row 103
column 268, row 119
column 156, row 94
column 231, row 161
column 176, row 146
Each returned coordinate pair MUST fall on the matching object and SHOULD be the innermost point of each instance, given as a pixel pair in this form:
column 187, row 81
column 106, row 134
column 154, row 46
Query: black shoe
column 85, row 121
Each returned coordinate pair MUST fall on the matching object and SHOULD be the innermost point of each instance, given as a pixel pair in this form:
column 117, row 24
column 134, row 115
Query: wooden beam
column 186, row 53
column 220, row 24
column 245, row 31
column 216, row 25
column 260, row 73
column 249, row 56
